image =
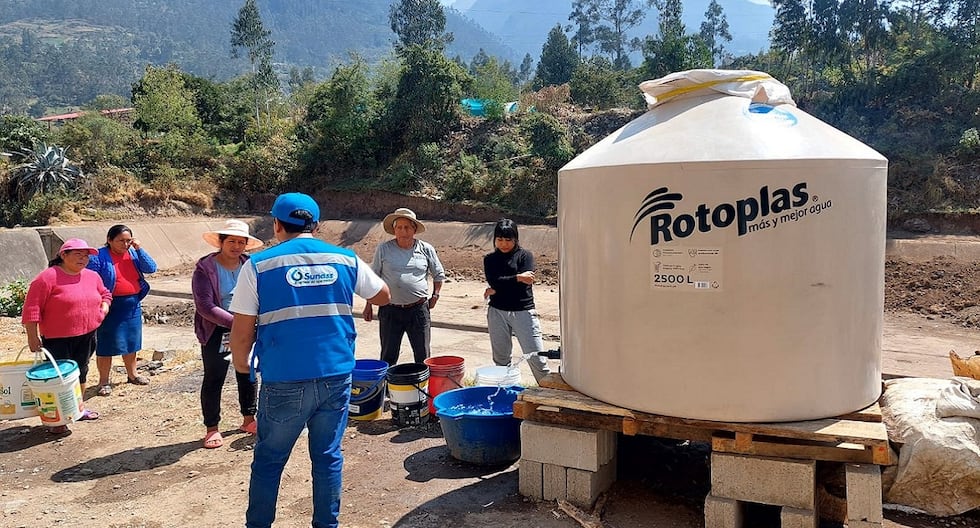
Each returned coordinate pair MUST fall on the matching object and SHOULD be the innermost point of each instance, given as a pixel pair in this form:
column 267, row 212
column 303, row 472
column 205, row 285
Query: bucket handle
column 423, row 391
column 21, row 351
column 44, row 352
column 376, row 383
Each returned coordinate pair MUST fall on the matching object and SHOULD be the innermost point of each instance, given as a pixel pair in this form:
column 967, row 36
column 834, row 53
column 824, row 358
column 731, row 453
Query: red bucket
column 445, row 374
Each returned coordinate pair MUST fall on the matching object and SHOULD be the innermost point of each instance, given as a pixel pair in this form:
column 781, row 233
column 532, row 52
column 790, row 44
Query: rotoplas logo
column 665, row 226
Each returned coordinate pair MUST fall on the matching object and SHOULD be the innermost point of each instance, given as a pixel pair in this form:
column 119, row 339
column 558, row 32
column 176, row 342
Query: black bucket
column 408, row 393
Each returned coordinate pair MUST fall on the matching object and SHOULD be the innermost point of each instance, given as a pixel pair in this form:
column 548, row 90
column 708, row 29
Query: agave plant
column 44, row 168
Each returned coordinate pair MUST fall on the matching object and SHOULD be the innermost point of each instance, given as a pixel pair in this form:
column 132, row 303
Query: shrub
column 42, row 207
column 969, row 142
column 459, row 179
column 549, row 139
column 12, row 297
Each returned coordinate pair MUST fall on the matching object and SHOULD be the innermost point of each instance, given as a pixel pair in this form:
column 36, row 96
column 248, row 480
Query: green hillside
column 62, row 53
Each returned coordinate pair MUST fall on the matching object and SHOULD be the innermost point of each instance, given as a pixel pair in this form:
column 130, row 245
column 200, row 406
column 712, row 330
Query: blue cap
column 289, row 203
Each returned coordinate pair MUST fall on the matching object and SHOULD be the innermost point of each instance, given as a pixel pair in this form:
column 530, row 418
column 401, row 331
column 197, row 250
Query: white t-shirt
column 246, row 298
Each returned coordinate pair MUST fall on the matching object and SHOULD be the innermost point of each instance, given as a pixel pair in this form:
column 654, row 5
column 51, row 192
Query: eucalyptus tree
column 921, row 15
column 248, row 33
column 584, row 18
column 419, row 23
column 790, row 38
column 672, row 49
column 615, row 18
column 965, row 31
column 163, row 103
column 866, row 24
column 714, row 31
column 828, row 46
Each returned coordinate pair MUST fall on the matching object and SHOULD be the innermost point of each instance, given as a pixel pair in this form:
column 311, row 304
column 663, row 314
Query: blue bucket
column 479, row 425
column 367, row 391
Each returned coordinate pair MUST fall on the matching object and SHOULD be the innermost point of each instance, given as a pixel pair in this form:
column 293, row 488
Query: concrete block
column 584, row 487
column 863, row 492
column 774, row 481
column 797, row 518
column 554, row 482
column 23, row 255
column 863, row 524
column 530, row 480
column 723, row 513
column 572, row 447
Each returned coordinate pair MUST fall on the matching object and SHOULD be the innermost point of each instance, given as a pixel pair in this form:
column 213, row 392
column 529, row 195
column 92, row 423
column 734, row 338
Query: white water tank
column 723, row 259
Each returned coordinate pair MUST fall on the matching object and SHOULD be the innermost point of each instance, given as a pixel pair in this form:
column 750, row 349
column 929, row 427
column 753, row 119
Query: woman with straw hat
column 212, row 283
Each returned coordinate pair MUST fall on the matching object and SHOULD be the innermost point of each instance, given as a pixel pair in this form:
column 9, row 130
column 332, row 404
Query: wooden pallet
column 858, row 437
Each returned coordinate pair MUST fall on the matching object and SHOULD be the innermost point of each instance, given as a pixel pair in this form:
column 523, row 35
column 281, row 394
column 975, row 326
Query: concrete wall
column 22, row 255
column 26, row 251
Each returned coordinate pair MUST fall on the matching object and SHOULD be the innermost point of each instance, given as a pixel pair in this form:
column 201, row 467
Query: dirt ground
column 141, row 464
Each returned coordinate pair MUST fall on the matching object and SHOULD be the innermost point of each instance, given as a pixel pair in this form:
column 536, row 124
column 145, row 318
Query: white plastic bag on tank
column 755, row 85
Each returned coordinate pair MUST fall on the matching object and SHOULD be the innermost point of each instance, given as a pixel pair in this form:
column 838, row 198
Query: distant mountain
column 524, row 25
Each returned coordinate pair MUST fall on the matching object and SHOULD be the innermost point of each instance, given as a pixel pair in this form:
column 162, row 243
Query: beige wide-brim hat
column 233, row 228
column 401, row 212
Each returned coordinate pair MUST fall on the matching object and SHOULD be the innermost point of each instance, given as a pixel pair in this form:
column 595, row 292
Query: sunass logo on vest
column 300, row 276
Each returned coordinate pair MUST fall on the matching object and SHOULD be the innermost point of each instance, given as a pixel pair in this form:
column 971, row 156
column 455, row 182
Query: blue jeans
column 284, row 409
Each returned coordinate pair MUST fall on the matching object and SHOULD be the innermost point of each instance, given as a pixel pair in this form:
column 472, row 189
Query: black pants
column 394, row 322
column 77, row 348
column 215, row 371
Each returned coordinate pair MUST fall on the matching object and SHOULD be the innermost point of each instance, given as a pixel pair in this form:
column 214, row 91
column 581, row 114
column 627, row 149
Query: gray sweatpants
column 524, row 325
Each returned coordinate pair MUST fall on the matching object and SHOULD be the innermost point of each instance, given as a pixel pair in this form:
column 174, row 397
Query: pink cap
column 77, row 243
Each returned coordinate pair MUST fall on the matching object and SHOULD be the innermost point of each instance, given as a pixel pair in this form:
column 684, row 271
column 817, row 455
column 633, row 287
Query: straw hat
column 232, row 228
column 401, row 212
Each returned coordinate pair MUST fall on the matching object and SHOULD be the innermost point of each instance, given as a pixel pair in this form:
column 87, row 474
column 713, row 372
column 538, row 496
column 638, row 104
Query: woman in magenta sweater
column 65, row 304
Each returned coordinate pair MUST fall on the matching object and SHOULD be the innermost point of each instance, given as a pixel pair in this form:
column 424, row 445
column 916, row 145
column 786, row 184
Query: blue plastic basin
column 479, row 425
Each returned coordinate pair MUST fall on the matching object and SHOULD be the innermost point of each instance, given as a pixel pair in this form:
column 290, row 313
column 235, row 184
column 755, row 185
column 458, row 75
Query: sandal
column 213, row 440
column 105, row 390
column 59, row 430
column 250, row 428
column 139, row 380
column 89, row 414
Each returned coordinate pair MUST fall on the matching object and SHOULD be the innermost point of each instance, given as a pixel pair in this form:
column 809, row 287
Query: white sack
column 755, row 85
column 938, row 468
column 960, row 398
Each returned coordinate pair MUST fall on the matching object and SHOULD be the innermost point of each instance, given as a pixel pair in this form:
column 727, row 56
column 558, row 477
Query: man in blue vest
column 293, row 303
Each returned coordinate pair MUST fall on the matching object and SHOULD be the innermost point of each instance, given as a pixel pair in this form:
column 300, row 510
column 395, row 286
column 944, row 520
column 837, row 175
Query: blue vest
column 305, row 322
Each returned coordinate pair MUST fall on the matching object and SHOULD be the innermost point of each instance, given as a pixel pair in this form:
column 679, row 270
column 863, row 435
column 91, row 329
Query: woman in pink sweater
column 64, row 306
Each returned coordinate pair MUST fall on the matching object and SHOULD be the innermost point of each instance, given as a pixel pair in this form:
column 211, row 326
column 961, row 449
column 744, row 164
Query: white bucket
column 16, row 399
column 57, row 391
column 494, row 376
